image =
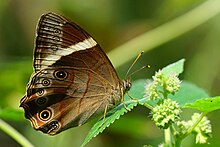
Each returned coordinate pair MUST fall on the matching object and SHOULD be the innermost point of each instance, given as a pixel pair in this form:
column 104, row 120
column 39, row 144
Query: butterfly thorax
column 126, row 85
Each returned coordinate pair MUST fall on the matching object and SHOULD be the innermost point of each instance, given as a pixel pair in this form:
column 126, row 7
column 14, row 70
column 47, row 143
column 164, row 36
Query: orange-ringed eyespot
column 45, row 114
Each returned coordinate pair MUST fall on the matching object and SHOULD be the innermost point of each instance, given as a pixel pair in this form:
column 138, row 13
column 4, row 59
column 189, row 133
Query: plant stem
column 165, row 32
column 189, row 131
column 143, row 102
column 167, row 137
column 178, row 142
column 194, row 125
column 14, row 134
column 148, row 106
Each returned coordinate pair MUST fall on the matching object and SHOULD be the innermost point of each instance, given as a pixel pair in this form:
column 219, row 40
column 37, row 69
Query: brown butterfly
column 73, row 79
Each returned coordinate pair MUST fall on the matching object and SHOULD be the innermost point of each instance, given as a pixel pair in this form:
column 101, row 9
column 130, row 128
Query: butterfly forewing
column 62, row 42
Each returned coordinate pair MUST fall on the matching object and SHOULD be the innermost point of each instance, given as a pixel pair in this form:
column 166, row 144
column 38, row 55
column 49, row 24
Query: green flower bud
column 166, row 113
column 172, row 84
column 183, row 127
column 152, row 91
column 161, row 84
column 158, row 78
column 203, row 130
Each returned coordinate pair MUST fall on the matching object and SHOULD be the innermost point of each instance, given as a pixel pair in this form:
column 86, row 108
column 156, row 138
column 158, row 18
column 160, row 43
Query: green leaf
column 136, row 92
column 114, row 114
column 138, row 89
column 176, row 68
column 11, row 114
column 188, row 94
column 206, row 104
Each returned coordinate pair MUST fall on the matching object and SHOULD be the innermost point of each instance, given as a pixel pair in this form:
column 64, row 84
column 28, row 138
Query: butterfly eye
column 45, row 82
column 45, row 114
column 41, row 101
column 40, row 92
column 60, row 75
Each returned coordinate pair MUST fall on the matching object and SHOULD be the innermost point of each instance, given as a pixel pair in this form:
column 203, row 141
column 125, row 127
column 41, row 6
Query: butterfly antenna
column 146, row 66
column 139, row 55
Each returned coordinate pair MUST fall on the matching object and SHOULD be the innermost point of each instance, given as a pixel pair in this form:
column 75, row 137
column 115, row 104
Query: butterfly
column 73, row 80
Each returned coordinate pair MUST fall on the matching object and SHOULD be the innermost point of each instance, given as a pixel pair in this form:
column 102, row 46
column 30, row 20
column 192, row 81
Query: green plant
column 188, row 96
column 166, row 96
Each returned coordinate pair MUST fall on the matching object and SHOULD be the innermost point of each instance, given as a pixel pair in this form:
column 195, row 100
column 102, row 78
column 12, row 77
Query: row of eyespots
column 46, row 114
column 60, row 75
column 54, row 32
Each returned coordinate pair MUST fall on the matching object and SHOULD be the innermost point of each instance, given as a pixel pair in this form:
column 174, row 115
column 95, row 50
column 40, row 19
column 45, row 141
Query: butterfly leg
column 131, row 97
column 123, row 100
column 105, row 113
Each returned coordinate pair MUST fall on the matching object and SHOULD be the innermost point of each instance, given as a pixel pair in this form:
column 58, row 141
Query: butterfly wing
column 73, row 80
column 58, row 37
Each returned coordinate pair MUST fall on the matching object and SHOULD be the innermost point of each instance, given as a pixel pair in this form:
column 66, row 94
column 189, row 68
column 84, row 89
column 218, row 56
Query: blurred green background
column 111, row 23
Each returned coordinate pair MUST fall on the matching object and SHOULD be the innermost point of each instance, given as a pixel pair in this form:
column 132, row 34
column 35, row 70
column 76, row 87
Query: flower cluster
column 203, row 130
column 166, row 113
column 172, row 84
column 161, row 83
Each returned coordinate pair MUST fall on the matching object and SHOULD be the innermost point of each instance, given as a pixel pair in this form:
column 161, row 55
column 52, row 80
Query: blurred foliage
column 111, row 23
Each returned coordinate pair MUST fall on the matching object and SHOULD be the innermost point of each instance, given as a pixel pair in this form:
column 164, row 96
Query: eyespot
column 45, row 114
column 56, row 39
column 45, row 82
column 54, row 125
column 54, row 47
column 40, row 92
column 57, row 31
column 60, row 75
column 41, row 101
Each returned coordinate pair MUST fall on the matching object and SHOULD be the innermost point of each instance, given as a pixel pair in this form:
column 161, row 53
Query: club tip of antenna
column 146, row 66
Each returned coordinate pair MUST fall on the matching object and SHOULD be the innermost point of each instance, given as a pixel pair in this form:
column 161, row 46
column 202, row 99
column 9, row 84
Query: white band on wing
column 50, row 59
